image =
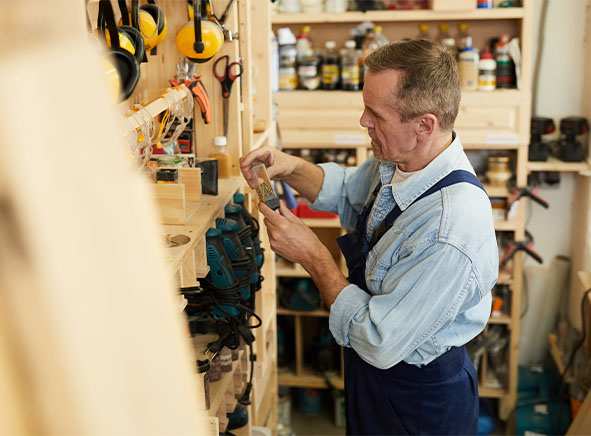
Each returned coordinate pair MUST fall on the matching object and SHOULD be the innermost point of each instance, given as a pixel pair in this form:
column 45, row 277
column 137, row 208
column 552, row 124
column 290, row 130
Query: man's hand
column 289, row 236
column 292, row 239
column 303, row 176
column 279, row 165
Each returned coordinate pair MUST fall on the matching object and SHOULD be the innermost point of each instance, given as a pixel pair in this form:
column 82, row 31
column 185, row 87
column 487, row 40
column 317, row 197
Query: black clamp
column 526, row 245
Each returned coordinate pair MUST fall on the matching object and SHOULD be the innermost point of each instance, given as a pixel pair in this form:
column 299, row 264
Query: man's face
column 391, row 140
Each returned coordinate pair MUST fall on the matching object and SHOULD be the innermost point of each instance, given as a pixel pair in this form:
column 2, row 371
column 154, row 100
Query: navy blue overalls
column 438, row 398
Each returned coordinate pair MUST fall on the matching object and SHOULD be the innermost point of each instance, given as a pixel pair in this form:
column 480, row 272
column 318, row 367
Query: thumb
column 285, row 212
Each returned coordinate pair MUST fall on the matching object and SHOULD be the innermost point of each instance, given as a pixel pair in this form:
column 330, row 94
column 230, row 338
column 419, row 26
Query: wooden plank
column 411, row 15
column 313, row 313
column 553, row 164
column 452, row 5
column 556, row 353
column 309, row 379
column 191, row 178
column 299, row 346
column 171, row 201
column 319, row 118
column 322, row 222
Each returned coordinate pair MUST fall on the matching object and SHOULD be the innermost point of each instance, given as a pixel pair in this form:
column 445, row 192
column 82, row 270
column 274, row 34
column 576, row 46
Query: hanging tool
column 532, row 193
column 527, row 246
column 230, row 72
column 186, row 74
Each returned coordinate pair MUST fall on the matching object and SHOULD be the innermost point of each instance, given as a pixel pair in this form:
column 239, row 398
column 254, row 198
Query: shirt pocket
column 375, row 273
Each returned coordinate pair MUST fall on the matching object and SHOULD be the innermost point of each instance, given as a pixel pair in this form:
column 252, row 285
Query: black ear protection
column 159, row 17
column 134, row 35
column 127, row 65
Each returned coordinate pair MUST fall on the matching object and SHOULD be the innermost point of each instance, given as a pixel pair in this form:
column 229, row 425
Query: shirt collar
column 409, row 190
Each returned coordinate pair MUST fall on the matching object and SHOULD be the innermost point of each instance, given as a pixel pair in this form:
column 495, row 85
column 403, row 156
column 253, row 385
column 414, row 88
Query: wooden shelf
column 496, row 191
column 320, row 313
column 209, row 208
column 506, row 225
column 322, row 222
column 554, row 164
column 295, row 270
column 505, row 278
column 503, row 319
column 414, row 15
column 484, row 392
column 309, row 379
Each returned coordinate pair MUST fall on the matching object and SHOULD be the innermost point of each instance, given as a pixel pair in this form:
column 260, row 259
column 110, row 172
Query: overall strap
column 457, row 176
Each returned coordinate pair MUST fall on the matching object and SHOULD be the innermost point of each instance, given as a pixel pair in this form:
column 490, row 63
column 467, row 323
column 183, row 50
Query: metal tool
column 230, row 72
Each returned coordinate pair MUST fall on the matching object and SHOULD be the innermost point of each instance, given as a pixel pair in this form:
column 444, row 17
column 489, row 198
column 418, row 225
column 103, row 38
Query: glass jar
column 499, row 170
column 225, row 357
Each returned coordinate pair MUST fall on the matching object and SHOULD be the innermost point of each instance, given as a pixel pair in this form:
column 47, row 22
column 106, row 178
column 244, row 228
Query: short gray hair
column 430, row 82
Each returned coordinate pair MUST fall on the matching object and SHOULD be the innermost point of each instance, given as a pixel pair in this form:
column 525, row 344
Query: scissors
column 230, row 72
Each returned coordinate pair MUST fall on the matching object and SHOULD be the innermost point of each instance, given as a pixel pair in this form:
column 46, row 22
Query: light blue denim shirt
column 429, row 276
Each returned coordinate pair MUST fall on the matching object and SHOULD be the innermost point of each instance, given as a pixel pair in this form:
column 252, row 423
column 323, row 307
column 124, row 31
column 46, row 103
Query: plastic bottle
column 380, row 38
column 468, row 67
column 368, row 46
column 424, row 32
column 222, row 156
column 462, row 35
column 445, row 39
column 505, row 66
column 288, row 78
column 330, row 66
column 303, row 44
column 350, row 79
column 487, row 67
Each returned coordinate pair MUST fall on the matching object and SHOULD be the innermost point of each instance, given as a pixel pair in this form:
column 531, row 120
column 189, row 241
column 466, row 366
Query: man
column 422, row 260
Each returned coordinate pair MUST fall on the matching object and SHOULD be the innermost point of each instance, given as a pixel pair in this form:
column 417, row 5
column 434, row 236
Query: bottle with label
column 487, row 72
column 350, row 79
column 303, row 44
column 462, row 35
column 330, row 66
column 444, row 38
column 288, row 78
column 222, row 157
column 505, row 65
column 468, row 67
column 309, row 73
column 424, row 32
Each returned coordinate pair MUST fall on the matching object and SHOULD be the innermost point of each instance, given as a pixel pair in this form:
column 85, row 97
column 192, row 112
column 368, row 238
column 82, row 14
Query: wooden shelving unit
column 492, row 121
column 553, row 164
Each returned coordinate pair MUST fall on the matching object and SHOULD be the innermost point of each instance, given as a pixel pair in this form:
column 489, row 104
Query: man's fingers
column 269, row 214
column 285, row 212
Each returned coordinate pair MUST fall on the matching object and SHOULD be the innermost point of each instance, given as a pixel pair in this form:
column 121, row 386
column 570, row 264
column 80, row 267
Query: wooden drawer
column 492, row 119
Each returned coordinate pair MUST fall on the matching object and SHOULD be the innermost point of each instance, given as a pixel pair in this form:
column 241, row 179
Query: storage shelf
column 506, row 225
column 322, row 222
column 484, row 392
column 503, row 319
column 209, row 208
column 554, row 164
column 386, row 16
column 496, row 191
column 309, row 379
column 319, row 313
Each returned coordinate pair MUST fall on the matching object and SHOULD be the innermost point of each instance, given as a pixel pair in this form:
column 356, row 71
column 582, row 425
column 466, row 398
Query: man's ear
column 426, row 126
